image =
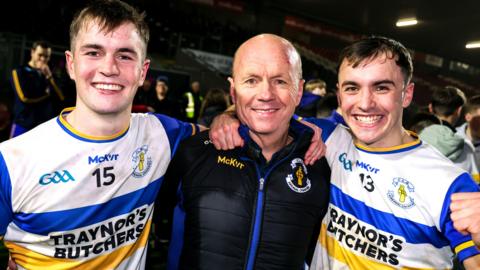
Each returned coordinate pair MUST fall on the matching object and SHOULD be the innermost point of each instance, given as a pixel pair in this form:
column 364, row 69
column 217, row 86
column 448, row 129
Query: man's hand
column 46, row 71
column 465, row 214
column 224, row 132
column 317, row 148
column 11, row 264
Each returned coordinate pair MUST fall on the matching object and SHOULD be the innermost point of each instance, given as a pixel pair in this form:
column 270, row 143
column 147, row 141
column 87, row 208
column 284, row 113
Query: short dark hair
column 371, row 47
column 109, row 14
column 41, row 43
column 446, row 100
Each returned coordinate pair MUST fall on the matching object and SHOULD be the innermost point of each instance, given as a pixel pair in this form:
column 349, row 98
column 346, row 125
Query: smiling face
column 372, row 97
column 107, row 68
column 266, row 85
column 40, row 56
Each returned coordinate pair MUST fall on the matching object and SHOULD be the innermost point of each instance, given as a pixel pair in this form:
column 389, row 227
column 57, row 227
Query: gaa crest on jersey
column 298, row 180
column 142, row 162
column 401, row 193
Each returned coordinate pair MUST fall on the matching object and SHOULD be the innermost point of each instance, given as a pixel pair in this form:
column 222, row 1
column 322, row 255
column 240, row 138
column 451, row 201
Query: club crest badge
column 141, row 162
column 401, row 193
column 298, row 180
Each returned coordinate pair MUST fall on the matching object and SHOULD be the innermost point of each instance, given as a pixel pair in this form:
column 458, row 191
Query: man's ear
column 70, row 66
column 298, row 97
column 144, row 70
column 407, row 95
column 232, row 89
column 430, row 108
column 337, row 92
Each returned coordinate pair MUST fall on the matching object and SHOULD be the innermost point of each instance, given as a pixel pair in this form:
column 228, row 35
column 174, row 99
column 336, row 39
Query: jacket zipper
column 258, row 220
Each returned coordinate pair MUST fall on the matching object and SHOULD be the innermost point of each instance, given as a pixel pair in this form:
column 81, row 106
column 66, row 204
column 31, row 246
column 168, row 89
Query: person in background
column 162, row 102
column 144, row 97
column 315, row 90
column 470, row 130
column 34, row 88
column 192, row 101
column 447, row 104
column 215, row 102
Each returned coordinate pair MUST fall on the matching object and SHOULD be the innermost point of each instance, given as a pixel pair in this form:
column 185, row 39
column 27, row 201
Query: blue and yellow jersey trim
column 85, row 137
column 394, row 149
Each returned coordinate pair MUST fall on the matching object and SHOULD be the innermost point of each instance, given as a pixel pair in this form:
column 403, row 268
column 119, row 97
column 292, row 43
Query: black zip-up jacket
column 236, row 211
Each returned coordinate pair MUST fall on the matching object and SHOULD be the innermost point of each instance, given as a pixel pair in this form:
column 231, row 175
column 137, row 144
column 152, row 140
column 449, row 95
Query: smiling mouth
column 370, row 119
column 107, row 86
column 265, row 111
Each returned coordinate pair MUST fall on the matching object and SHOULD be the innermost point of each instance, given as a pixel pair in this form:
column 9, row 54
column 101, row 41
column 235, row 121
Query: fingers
column 11, row 264
column 465, row 196
column 465, row 200
column 224, row 132
column 317, row 148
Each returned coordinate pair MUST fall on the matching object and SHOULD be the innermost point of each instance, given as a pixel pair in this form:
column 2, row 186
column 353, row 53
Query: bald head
column 264, row 44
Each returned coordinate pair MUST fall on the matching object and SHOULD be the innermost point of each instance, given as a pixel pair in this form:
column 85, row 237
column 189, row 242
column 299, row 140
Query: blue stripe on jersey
column 463, row 183
column 73, row 134
column 414, row 233
column 327, row 126
column 64, row 220
column 176, row 130
column 6, row 212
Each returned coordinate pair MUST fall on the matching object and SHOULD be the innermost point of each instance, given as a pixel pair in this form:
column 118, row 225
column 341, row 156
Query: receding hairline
column 287, row 48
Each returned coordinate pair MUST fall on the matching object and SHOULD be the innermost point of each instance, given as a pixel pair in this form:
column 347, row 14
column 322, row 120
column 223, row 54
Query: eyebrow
column 91, row 46
column 99, row 47
column 374, row 83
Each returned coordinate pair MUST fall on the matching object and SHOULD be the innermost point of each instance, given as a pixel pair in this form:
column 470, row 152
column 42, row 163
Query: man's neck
column 93, row 124
column 272, row 143
column 448, row 119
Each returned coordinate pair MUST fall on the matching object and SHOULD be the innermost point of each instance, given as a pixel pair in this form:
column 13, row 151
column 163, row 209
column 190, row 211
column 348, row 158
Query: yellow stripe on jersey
column 351, row 259
column 20, row 94
column 83, row 135
column 476, row 178
column 463, row 246
column 32, row 260
column 393, row 148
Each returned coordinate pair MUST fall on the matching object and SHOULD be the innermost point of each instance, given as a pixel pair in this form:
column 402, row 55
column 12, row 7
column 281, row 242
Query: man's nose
column 366, row 99
column 109, row 66
column 266, row 91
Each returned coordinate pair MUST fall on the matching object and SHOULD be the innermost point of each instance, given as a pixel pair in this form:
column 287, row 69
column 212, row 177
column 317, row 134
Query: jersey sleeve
column 461, row 244
column 177, row 130
column 6, row 213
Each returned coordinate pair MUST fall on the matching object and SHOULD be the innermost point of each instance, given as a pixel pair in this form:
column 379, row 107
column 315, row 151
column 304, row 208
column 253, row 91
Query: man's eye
column 280, row 82
column 382, row 88
column 250, row 81
column 125, row 57
column 350, row 89
column 92, row 53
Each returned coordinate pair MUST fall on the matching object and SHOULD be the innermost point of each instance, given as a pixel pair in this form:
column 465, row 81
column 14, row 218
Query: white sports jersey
column 389, row 207
column 70, row 201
